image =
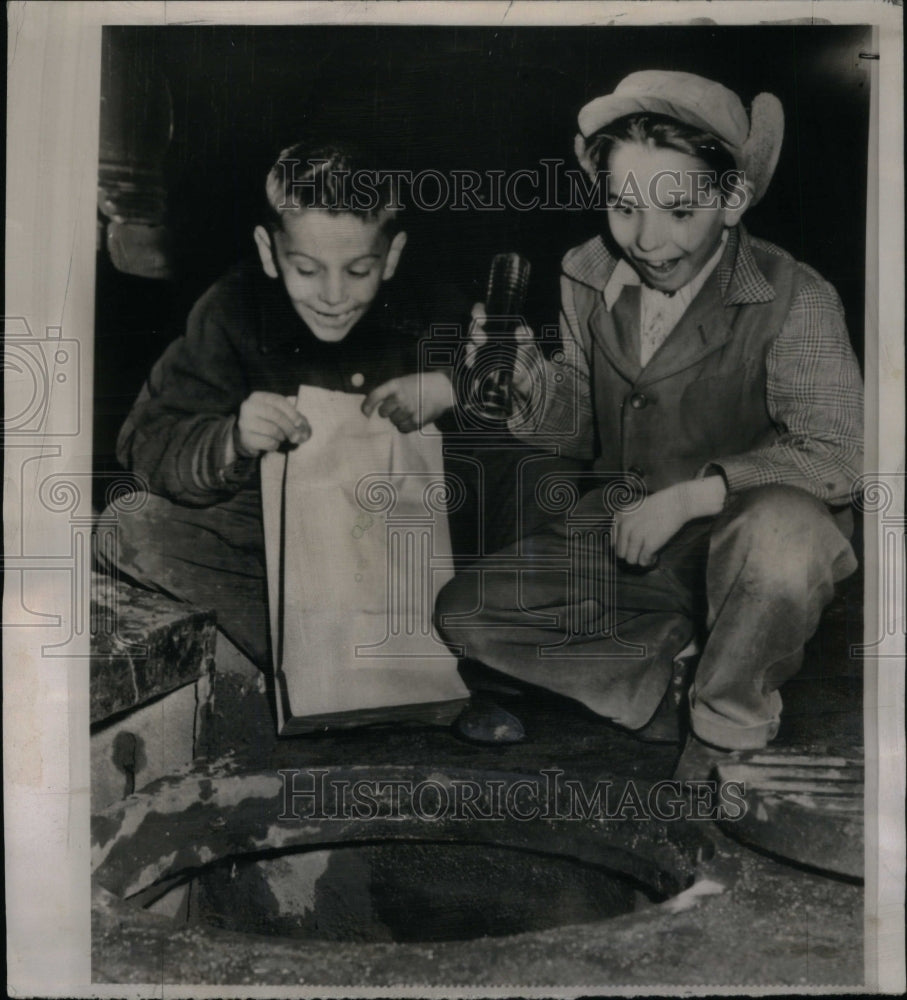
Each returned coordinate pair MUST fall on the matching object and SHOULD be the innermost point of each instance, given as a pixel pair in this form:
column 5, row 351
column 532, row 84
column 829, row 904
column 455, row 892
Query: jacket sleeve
column 176, row 434
column 814, row 395
column 558, row 410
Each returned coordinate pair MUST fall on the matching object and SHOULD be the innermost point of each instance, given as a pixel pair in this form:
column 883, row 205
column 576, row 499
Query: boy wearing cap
column 315, row 311
column 715, row 374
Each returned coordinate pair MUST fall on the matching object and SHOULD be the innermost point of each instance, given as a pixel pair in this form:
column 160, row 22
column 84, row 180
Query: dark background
column 448, row 98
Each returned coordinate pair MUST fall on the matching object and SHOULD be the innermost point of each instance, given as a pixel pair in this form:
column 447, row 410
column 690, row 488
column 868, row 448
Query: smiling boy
column 316, row 310
column 712, row 374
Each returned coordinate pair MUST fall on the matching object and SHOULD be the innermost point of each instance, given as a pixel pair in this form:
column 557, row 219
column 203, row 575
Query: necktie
column 655, row 323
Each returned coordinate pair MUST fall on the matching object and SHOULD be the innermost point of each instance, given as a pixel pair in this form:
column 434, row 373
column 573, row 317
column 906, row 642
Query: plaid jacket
column 757, row 380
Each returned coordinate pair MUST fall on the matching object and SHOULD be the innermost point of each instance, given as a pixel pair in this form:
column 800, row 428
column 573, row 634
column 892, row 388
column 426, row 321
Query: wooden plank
column 807, row 809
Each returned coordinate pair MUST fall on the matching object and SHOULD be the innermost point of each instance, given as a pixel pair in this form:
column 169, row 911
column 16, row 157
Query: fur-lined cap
column 754, row 141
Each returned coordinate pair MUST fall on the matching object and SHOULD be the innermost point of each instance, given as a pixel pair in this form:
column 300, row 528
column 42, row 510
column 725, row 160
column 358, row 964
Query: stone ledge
column 143, row 645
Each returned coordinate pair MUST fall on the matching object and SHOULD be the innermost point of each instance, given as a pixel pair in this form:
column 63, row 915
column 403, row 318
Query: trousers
column 211, row 557
column 558, row 610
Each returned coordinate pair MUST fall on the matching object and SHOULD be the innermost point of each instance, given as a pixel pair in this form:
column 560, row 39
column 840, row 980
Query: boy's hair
column 332, row 177
column 663, row 132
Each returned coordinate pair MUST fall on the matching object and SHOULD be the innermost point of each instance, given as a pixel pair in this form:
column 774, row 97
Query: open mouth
column 661, row 268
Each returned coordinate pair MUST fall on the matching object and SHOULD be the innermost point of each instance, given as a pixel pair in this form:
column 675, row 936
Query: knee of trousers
column 140, row 522
column 784, row 535
column 459, row 615
column 456, row 598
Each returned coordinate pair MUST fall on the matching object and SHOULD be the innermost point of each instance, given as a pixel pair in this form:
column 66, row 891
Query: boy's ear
column 579, row 147
column 393, row 255
column 737, row 200
column 265, row 251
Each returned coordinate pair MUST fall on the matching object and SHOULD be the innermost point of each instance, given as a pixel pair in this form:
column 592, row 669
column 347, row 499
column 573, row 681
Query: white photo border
column 53, row 81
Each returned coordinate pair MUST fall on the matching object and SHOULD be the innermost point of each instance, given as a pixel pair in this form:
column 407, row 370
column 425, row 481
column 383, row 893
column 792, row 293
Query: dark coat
column 243, row 336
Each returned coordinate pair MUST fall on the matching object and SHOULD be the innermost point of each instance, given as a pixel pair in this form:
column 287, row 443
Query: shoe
column 483, row 721
column 699, row 760
column 669, row 724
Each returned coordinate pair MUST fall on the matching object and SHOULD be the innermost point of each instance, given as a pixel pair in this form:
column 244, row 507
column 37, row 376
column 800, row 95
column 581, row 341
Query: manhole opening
column 409, row 892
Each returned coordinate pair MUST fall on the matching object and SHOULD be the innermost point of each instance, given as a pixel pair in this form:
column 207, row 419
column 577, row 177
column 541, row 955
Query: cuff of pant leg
column 712, row 729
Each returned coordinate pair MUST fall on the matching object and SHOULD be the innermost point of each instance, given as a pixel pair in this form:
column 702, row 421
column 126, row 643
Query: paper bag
column 357, row 547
